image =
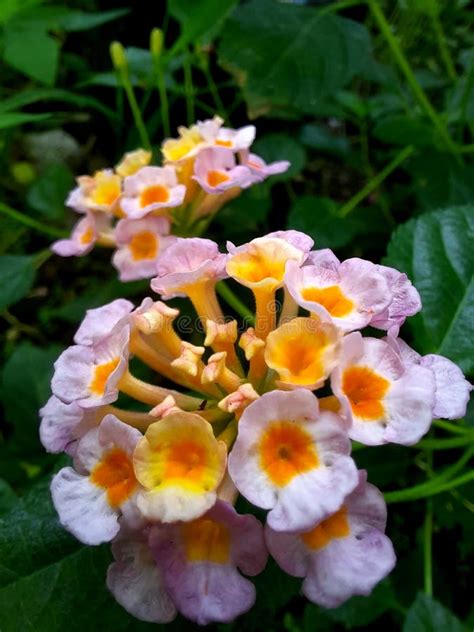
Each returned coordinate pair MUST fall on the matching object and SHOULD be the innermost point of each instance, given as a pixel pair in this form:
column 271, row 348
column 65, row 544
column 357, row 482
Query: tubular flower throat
column 234, row 409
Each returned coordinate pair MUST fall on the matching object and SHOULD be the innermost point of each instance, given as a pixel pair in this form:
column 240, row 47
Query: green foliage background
column 373, row 103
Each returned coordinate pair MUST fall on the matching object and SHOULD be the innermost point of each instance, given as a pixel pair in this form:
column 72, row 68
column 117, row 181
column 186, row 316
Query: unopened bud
column 156, row 42
column 118, row 56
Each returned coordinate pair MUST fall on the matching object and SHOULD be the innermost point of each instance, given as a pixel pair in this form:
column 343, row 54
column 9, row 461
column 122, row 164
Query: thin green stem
column 42, row 256
column 446, row 444
column 351, row 204
column 32, row 223
column 440, row 483
column 231, row 299
column 406, row 69
column 340, row 6
column 213, row 88
column 454, row 428
column 137, row 115
column 443, row 46
column 188, row 87
column 428, row 548
column 428, row 538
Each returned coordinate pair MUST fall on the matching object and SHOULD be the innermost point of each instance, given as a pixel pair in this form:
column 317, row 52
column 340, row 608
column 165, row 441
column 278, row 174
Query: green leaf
column 440, row 181
column 273, row 147
column 17, row 274
column 15, row 119
column 401, row 130
column 47, row 194
column 74, row 20
column 8, row 497
column 323, row 140
column 428, row 615
column 287, row 56
column 26, row 380
column 195, row 21
column 30, row 49
column 360, row 611
column 317, row 216
column 436, row 252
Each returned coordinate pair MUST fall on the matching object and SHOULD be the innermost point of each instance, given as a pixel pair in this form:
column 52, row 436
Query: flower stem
column 31, row 223
column 188, row 87
column 454, row 428
column 406, row 69
column 441, row 483
column 351, row 204
column 446, row 444
column 427, row 548
column 233, row 301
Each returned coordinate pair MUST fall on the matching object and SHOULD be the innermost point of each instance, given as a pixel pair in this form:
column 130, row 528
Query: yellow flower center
column 365, row 390
column 106, row 191
column 302, row 351
column 285, row 451
column 223, row 143
column 336, row 526
column 331, row 298
column 206, row 540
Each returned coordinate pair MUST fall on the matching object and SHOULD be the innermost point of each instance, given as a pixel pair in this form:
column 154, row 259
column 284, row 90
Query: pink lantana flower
column 344, row 555
column 102, row 486
column 200, row 561
column 216, row 170
column 151, row 189
column 292, row 459
column 384, row 400
column 139, row 244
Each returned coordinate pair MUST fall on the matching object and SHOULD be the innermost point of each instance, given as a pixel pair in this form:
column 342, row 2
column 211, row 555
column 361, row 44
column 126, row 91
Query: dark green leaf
column 360, row 611
column 436, row 252
column 8, row 497
column 400, row 130
column 198, row 21
column 317, row 216
column 323, row 140
column 428, row 615
column 26, row 387
column 273, row 147
column 74, row 20
column 31, row 50
column 48, row 193
column 15, row 119
column 17, row 274
column 288, row 56
column 440, row 181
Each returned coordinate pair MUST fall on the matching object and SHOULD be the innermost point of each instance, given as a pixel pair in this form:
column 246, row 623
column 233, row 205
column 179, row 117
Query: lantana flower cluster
column 137, row 208
column 266, row 410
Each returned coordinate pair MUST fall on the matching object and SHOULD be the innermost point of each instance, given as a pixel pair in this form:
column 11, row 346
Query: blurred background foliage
column 373, row 103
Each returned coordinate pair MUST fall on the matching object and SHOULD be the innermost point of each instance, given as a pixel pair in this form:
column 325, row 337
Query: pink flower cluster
column 242, row 413
column 134, row 207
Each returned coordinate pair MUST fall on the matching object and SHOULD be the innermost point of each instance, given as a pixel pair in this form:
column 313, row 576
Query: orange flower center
column 100, row 376
column 87, row 236
column 286, row 450
column 115, row 474
column 206, row 540
column 331, row 298
column 144, row 245
column 157, row 194
column 336, row 526
column 223, row 143
column 187, row 459
column 365, row 390
column 214, row 178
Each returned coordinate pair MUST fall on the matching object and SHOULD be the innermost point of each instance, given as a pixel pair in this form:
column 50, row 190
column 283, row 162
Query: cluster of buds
column 134, row 207
column 267, row 411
